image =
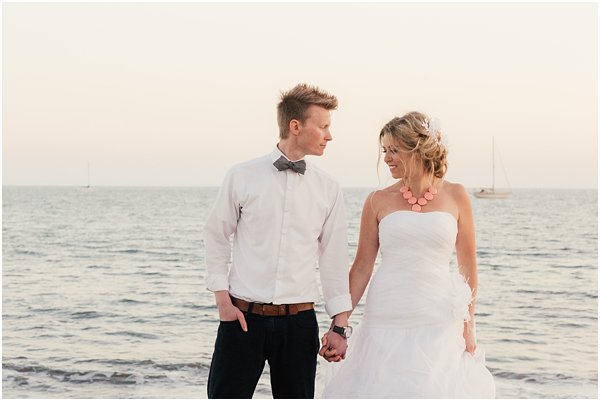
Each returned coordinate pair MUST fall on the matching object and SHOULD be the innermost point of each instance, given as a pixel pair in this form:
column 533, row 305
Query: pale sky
column 174, row 94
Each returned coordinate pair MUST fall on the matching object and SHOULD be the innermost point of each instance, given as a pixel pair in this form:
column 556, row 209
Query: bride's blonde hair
column 411, row 132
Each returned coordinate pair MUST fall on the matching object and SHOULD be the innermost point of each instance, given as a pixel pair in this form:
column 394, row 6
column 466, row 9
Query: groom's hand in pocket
column 228, row 312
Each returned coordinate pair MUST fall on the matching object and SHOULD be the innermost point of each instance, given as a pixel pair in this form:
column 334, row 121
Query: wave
column 44, row 310
column 127, row 251
column 532, row 377
column 134, row 334
column 572, row 266
column 94, row 376
column 28, row 252
column 574, row 292
column 173, row 256
column 75, row 377
column 86, row 315
column 148, row 363
column 98, row 267
column 520, row 341
column 131, row 301
column 151, row 274
column 190, row 305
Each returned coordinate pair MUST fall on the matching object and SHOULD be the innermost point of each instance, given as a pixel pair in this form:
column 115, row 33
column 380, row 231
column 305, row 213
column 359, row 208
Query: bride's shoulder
column 393, row 189
column 380, row 195
column 457, row 192
column 453, row 187
column 376, row 200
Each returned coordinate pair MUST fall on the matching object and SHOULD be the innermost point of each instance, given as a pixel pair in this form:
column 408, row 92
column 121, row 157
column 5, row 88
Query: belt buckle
column 273, row 310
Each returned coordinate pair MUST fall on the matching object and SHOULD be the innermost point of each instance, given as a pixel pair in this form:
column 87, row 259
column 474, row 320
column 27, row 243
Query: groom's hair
column 295, row 102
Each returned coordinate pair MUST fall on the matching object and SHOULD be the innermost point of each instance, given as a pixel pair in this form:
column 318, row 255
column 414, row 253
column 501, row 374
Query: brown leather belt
column 270, row 309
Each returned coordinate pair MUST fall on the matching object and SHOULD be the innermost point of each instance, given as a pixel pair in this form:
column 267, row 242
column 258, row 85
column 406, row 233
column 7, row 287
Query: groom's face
column 314, row 134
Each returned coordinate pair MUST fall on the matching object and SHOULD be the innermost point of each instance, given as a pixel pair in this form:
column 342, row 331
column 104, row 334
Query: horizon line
column 218, row 186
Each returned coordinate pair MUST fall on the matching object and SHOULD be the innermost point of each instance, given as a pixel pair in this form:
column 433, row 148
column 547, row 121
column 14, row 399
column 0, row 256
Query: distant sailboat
column 491, row 193
column 88, row 176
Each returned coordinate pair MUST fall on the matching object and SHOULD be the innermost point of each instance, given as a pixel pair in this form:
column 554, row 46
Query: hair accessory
column 434, row 129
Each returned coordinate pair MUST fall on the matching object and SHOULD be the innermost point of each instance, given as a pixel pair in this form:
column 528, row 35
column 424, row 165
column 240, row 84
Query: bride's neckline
column 419, row 213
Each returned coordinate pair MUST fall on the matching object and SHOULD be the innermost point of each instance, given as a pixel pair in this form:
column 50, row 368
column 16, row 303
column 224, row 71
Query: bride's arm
column 466, row 257
column 368, row 245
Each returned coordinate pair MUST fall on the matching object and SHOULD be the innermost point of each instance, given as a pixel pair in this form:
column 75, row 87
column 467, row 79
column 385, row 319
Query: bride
column 417, row 337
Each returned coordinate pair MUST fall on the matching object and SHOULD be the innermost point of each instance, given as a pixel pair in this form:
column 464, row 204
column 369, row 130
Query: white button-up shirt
column 282, row 224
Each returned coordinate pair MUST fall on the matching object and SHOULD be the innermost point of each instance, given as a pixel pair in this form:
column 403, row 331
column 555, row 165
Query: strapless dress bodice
column 412, row 241
column 413, row 285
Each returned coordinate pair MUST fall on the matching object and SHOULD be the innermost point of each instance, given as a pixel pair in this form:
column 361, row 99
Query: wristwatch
column 345, row 332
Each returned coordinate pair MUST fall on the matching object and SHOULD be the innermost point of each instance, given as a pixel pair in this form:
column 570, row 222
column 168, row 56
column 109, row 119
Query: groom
column 285, row 215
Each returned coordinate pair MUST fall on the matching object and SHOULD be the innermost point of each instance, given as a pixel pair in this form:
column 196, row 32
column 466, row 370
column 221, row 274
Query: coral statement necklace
column 422, row 201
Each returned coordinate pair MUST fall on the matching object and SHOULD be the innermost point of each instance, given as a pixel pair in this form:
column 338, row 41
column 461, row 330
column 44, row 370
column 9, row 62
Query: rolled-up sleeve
column 333, row 259
column 220, row 225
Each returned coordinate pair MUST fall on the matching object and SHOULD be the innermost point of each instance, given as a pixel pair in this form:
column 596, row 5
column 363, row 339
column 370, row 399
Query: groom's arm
column 333, row 261
column 220, row 225
column 333, row 267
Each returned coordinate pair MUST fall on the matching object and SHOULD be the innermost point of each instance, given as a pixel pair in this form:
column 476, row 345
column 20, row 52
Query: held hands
column 469, row 336
column 334, row 347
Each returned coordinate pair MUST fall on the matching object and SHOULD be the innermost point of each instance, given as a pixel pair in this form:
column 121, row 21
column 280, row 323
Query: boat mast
column 88, row 165
column 493, row 168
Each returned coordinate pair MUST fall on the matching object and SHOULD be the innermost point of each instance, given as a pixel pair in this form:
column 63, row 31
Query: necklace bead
column 417, row 204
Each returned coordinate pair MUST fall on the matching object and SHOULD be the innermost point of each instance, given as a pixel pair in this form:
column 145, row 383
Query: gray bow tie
column 283, row 164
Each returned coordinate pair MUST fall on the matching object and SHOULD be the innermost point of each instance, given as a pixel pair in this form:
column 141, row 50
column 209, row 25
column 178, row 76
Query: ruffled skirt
column 418, row 352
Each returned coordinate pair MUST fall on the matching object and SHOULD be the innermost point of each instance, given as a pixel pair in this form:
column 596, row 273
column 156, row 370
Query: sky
column 159, row 94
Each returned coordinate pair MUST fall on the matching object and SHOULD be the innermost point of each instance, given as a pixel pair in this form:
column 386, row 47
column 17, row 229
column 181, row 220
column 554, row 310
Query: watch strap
column 340, row 330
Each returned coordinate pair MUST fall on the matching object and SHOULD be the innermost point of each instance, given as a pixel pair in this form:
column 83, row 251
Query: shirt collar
column 276, row 154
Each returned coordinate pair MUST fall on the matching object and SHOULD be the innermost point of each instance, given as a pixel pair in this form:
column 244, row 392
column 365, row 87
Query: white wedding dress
column 409, row 343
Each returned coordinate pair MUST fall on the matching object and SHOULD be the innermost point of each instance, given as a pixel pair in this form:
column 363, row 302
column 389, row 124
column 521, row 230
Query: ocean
column 103, row 292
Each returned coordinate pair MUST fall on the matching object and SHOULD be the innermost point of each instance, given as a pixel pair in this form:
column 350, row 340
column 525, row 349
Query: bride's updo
column 421, row 136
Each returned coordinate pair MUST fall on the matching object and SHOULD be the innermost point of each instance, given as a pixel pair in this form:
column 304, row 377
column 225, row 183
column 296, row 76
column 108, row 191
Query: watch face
column 348, row 331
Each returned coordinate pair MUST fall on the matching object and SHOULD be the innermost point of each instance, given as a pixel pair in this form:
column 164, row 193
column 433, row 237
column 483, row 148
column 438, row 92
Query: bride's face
column 395, row 157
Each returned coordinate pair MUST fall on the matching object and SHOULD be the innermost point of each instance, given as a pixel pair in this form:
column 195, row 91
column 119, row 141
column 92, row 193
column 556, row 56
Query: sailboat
column 88, row 176
column 491, row 193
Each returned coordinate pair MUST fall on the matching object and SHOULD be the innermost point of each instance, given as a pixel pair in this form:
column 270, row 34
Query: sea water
column 104, row 294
